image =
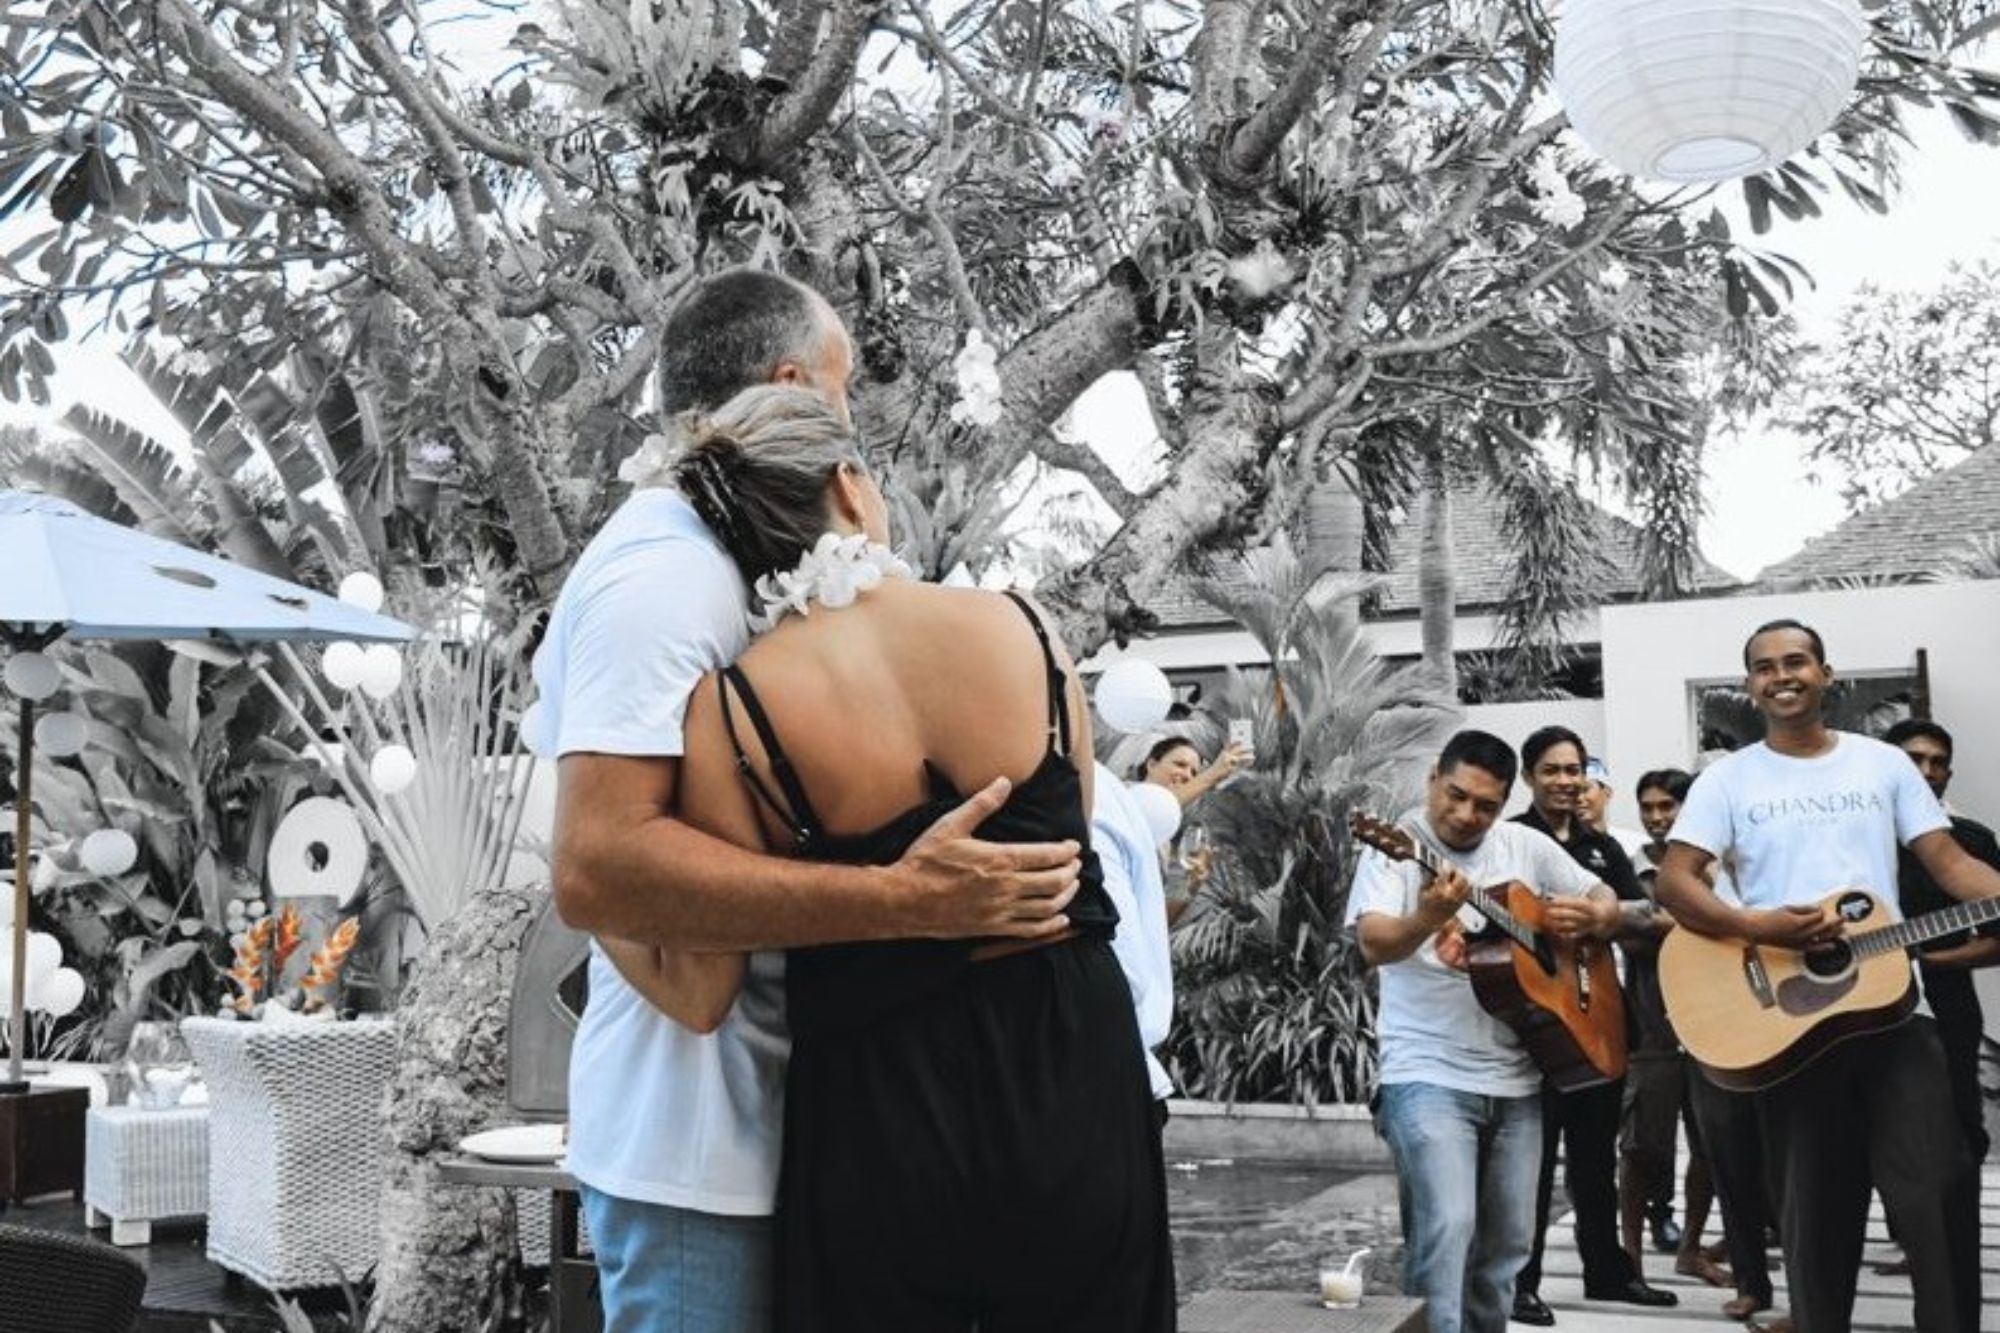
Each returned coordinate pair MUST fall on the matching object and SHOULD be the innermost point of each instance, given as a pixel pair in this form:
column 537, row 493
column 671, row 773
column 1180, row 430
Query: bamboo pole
column 17, row 991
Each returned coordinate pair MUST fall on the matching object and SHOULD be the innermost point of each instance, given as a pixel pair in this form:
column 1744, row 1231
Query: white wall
column 1652, row 652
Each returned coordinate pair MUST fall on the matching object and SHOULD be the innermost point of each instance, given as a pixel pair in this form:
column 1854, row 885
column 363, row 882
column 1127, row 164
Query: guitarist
column 1586, row 1120
column 1460, row 1100
column 1805, row 812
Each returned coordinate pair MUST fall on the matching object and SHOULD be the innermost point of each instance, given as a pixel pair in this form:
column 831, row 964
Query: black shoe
column 1635, row 1292
column 1666, row 1231
column 1532, row 1309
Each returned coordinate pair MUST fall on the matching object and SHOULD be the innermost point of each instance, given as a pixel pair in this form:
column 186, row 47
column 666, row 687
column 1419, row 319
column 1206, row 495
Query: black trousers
column 1961, row 1041
column 1655, row 1088
column 1874, row 1112
column 1727, row 1124
column 1586, row 1122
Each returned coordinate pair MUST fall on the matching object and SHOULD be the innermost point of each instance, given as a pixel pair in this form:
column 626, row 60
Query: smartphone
column 1243, row 732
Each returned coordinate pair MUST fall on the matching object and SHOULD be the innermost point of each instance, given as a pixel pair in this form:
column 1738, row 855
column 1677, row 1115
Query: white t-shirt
column 1801, row 828
column 1123, row 842
column 1430, row 1028
column 659, row 1114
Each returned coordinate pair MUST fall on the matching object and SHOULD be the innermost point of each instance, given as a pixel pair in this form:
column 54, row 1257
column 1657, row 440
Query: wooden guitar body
column 1562, row 1000
column 1754, row 1014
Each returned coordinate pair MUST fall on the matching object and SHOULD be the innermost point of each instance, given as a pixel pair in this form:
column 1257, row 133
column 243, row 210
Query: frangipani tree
column 1301, row 226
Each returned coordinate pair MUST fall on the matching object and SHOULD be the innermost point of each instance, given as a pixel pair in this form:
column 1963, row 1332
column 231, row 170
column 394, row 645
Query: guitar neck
column 1930, row 926
column 1483, row 903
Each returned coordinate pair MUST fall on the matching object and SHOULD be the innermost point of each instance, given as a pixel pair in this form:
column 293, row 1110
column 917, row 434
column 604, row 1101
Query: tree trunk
column 1437, row 592
column 450, row 1253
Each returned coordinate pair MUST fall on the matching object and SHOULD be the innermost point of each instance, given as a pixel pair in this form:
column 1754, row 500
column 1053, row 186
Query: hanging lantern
column 1133, row 695
column 1705, row 90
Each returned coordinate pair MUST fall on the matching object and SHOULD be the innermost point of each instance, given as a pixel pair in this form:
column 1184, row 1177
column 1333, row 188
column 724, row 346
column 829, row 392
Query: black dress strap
column 795, row 809
column 1058, row 683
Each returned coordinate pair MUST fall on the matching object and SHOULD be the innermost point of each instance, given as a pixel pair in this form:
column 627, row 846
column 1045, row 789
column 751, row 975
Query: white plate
column 516, row 1143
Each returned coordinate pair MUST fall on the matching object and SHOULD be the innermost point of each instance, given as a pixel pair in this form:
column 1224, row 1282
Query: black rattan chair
column 56, row 1283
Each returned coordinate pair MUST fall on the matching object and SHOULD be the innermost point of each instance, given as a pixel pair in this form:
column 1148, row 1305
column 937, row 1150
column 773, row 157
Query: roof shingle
column 1911, row 535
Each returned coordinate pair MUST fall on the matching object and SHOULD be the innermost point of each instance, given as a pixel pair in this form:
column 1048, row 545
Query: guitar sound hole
column 1829, row 960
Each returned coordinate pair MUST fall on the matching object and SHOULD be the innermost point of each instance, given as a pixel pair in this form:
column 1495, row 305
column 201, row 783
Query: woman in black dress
column 968, row 1124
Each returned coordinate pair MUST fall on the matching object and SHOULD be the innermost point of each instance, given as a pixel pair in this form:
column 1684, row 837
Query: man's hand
column 953, row 886
column 1452, row 950
column 1574, row 918
column 1792, row 927
column 1443, row 896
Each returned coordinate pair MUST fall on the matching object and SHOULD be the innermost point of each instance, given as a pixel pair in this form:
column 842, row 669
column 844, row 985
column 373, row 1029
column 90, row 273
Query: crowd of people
column 1747, row 851
column 880, row 950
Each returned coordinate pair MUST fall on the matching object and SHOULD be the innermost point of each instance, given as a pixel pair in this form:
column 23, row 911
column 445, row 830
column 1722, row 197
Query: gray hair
column 756, row 470
column 732, row 331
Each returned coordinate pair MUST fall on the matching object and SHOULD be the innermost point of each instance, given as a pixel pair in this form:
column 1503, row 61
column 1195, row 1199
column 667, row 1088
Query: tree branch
column 1083, row 460
column 1250, row 149
column 799, row 114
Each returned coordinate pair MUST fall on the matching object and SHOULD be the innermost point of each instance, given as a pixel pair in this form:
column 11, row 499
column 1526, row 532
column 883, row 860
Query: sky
column 1763, row 501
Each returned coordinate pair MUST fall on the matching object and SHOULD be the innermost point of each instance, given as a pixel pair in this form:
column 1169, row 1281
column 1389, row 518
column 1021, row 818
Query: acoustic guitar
column 1755, row 1014
column 1560, row 997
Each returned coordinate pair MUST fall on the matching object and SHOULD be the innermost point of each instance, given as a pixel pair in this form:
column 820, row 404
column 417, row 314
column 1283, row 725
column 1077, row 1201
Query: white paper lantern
column 61, row 735
column 343, row 664
column 1133, row 695
column 362, row 589
column 32, row 676
column 381, row 670
column 61, row 993
column 1705, row 90
column 1161, row 807
column 394, row 768
column 109, row 851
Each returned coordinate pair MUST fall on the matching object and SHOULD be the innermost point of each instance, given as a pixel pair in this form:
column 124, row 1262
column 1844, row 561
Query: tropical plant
column 1274, row 1004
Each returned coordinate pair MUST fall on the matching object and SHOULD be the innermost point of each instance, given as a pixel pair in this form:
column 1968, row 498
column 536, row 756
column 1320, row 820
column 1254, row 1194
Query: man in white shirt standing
column 674, row 1134
column 1132, row 876
column 1460, row 1100
column 1803, row 813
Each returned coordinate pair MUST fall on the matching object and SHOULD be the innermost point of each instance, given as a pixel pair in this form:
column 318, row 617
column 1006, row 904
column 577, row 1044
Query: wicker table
column 573, row 1303
column 1297, row 1312
column 144, row 1166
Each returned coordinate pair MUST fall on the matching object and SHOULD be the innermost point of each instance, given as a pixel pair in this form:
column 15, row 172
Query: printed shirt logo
column 1826, row 808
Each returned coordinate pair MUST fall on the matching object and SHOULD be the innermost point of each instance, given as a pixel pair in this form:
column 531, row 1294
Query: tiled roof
column 1915, row 534
column 1484, row 565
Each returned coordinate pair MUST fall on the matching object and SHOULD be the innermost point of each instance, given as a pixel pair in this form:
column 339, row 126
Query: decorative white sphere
column 1161, row 807
column 61, row 735
column 44, row 957
column 381, row 670
column 1133, row 695
column 32, row 676
column 362, row 589
column 394, row 768
column 1705, row 90
column 343, row 664
column 60, row 993
column 109, row 851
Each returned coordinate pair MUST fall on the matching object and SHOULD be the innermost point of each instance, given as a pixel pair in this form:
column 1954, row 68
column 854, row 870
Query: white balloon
column 1161, row 807
column 1133, row 695
column 109, row 851
column 61, row 993
column 381, row 670
column 61, row 734
column 394, row 768
column 44, row 957
column 343, row 664
column 32, row 676
column 362, row 589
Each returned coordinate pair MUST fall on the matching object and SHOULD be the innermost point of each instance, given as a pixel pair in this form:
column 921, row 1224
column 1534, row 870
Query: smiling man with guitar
column 1460, row 1097
column 1804, row 993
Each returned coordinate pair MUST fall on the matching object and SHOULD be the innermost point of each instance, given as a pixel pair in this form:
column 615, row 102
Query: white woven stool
column 142, row 1167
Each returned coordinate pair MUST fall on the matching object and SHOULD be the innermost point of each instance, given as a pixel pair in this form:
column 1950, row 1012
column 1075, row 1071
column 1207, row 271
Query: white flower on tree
column 1555, row 202
column 977, row 367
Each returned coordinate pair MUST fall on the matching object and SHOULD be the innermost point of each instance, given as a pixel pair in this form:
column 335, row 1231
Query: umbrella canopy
column 73, row 573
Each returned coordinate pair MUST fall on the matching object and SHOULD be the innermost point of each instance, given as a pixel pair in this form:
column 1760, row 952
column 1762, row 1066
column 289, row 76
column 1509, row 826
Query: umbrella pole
column 17, row 1012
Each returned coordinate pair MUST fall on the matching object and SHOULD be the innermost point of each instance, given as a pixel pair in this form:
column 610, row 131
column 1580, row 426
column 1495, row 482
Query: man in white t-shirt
column 1804, row 813
column 674, row 1134
column 1460, row 1100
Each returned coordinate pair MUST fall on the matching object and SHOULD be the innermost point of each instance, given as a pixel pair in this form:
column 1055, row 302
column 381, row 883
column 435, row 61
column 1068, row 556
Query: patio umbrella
column 72, row 575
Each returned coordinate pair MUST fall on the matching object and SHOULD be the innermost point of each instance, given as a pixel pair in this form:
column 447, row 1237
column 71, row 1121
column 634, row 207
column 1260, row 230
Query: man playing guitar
column 1804, row 813
column 1460, row 1100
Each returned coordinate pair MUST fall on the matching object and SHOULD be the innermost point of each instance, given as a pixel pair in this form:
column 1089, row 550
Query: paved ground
column 1294, row 1241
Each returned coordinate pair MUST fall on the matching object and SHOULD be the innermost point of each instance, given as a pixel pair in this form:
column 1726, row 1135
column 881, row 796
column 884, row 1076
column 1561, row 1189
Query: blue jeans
column 1466, row 1167
column 672, row 1270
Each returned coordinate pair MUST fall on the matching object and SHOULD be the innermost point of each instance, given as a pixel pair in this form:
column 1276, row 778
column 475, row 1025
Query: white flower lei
column 836, row 571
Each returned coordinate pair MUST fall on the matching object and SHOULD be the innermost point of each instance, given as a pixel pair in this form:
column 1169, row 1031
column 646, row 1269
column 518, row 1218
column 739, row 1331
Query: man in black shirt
column 1587, row 1119
column 1947, row 965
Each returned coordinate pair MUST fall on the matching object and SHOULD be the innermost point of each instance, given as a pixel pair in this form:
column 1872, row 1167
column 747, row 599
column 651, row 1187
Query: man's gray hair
column 733, row 331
